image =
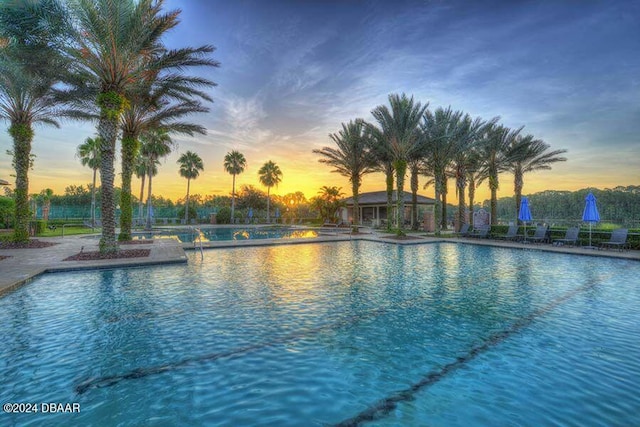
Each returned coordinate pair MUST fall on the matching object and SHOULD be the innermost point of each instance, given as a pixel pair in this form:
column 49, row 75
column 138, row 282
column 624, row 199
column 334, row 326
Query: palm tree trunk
column 93, row 199
column 414, row 196
column 108, row 130
column 401, row 169
column 443, row 220
column 268, row 200
column 389, row 180
column 140, row 201
column 233, row 199
column 186, row 205
column 355, row 187
column 472, row 195
column 148, row 226
column 438, row 206
column 518, row 184
column 22, row 135
column 129, row 149
column 460, row 187
column 493, row 186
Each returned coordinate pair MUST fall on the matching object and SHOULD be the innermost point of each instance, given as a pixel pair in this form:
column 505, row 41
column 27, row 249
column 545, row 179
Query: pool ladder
column 197, row 233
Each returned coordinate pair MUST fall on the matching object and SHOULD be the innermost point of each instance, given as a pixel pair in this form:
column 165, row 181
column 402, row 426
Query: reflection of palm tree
column 156, row 143
column 190, row 167
column 89, row 155
column 235, row 164
column 270, row 175
column 352, row 158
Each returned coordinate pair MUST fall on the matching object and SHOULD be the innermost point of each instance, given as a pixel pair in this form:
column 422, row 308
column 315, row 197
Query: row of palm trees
column 154, row 145
column 103, row 61
column 407, row 137
column 269, row 175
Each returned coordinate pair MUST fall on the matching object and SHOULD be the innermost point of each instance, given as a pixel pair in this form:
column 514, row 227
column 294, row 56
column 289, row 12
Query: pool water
column 212, row 234
column 350, row 333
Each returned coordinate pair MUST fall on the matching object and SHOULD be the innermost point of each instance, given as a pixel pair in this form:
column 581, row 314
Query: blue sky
column 293, row 71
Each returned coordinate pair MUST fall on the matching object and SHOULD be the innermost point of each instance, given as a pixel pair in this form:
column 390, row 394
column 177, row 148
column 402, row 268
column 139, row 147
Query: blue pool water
column 331, row 333
column 226, row 233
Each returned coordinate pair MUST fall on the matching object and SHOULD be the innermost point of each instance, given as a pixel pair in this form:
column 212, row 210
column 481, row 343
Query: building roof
column 380, row 198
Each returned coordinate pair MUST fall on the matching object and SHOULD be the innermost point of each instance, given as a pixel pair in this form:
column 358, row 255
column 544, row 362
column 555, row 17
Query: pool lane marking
column 385, row 406
column 137, row 373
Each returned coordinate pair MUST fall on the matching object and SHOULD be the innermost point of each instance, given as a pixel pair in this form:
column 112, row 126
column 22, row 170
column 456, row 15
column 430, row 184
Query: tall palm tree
column 527, row 154
column 156, row 143
column 89, row 155
column 160, row 100
column 353, row 158
column 383, row 163
column 400, row 128
column 190, row 167
column 270, row 175
column 496, row 158
column 468, row 134
column 30, row 66
column 235, row 164
column 438, row 130
column 116, row 44
column 143, row 167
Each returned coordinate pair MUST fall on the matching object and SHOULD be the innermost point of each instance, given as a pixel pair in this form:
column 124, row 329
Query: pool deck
column 22, row 265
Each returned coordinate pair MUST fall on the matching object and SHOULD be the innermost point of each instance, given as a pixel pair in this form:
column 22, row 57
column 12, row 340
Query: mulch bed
column 123, row 253
column 401, row 237
column 137, row 242
column 31, row 244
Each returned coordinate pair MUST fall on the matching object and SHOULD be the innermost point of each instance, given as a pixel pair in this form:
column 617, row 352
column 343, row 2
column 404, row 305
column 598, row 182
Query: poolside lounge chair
column 618, row 239
column 512, row 233
column 540, row 235
column 464, row 230
column 570, row 237
column 481, row 232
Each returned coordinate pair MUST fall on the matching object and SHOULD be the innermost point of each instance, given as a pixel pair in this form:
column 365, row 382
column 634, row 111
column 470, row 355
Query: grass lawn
column 68, row 231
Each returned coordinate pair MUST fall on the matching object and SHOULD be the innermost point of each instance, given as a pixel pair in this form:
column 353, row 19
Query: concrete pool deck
column 24, row 264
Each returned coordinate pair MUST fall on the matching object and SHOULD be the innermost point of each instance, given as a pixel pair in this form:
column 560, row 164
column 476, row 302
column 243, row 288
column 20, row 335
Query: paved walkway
column 24, row 264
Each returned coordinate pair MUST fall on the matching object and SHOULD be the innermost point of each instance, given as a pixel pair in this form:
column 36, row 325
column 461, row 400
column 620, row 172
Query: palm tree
column 29, row 68
column 156, row 143
column 468, row 134
column 383, row 163
column 190, row 167
column 353, row 158
column 496, row 158
column 527, row 154
column 270, row 175
column 235, row 164
column 117, row 44
column 89, row 155
column 160, row 100
column 143, row 167
column 400, row 128
column 438, row 129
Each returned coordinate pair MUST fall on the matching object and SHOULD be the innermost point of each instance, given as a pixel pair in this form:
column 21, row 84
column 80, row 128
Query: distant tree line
column 619, row 205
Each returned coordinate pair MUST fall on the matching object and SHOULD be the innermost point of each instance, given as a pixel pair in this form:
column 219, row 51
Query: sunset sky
column 293, row 71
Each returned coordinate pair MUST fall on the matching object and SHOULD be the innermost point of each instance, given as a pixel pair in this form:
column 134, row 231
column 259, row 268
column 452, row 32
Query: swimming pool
column 212, row 234
column 330, row 333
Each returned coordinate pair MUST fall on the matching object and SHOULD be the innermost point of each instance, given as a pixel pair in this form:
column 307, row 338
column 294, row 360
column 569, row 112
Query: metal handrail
column 198, row 234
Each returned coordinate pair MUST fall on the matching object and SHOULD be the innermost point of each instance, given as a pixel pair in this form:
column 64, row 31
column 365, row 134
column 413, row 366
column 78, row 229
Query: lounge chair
column 512, row 233
column 481, row 232
column 570, row 237
column 464, row 230
column 540, row 235
column 618, row 240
